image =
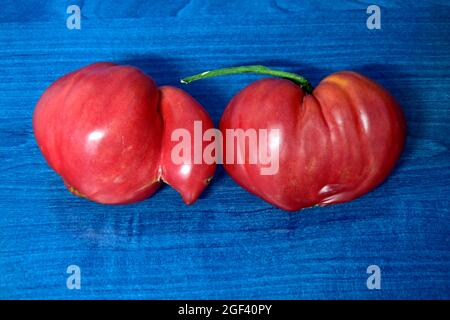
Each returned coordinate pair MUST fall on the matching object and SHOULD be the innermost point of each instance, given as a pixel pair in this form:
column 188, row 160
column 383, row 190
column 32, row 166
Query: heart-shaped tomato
column 333, row 144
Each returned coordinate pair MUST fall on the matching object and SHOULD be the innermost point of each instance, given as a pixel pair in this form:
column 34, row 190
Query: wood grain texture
column 229, row 244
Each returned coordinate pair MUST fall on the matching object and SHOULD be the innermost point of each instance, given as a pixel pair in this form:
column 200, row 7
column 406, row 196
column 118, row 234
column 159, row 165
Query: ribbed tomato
column 335, row 144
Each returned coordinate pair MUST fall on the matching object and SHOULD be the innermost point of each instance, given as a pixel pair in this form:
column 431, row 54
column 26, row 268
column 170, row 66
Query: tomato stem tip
column 258, row 69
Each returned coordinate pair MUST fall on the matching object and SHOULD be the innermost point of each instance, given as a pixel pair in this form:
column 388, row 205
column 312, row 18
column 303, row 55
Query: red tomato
column 104, row 129
column 335, row 144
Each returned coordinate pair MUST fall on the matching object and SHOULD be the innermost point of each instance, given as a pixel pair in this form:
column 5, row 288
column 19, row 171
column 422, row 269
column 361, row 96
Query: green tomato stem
column 297, row 79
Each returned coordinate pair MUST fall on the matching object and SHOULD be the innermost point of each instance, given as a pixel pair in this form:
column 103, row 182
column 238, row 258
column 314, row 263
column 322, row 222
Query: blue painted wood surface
column 229, row 244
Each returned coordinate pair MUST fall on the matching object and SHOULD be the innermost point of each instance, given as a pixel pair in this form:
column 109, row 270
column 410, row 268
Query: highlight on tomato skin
column 181, row 111
column 100, row 128
column 336, row 142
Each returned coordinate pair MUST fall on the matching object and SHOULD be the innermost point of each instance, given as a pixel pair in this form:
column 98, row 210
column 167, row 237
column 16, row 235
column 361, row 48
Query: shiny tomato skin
column 101, row 130
column 335, row 144
column 180, row 111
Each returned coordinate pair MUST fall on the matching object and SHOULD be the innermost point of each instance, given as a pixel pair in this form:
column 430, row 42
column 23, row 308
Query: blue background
column 229, row 244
